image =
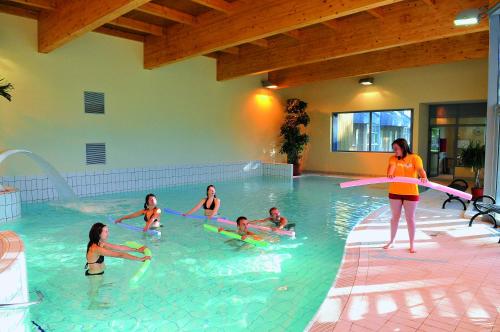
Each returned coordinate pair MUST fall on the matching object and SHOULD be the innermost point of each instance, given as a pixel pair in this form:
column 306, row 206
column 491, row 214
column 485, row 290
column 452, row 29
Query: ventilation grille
column 95, row 153
column 94, row 102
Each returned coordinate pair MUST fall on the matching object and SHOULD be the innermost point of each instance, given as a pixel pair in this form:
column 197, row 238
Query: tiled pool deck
column 452, row 283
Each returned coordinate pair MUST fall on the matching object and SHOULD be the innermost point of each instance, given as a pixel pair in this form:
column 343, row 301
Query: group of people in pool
column 401, row 196
column 98, row 247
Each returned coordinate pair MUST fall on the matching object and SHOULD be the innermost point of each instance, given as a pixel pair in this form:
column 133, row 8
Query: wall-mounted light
column 471, row 16
column 268, row 85
column 366, row 81
column 468, row 17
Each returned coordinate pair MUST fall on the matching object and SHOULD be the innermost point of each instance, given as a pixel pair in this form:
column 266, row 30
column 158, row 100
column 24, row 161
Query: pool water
column 197, row 280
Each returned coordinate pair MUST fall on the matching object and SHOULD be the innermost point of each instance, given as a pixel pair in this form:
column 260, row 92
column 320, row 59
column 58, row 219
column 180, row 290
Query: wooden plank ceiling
column 294, row 41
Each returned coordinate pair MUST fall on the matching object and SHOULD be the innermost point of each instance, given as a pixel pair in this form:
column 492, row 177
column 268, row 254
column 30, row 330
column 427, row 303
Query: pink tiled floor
column 452, row 283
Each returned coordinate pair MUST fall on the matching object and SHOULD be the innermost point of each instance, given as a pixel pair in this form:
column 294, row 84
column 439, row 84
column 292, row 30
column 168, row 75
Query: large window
column 372, row 131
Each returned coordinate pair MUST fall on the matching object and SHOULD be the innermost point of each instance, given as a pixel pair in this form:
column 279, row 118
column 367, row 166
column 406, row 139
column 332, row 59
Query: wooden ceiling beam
column 406, row 23
column 295, row 34
column 136, row 25
column 430, row 2
column 167, row 13
column 231, row 50
column 39, row 4
column 120, row 34
column 219, row 5
column 19, row 11
column 72, row 19
column 471, row 46
column 253, row 20
column 375, row 13
column 260, row 42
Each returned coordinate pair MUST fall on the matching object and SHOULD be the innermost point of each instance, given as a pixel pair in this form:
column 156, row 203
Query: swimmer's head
column 242, row 223
column 401, row 148
column 211, row 191
column 98, row 232
column 274, row 212
column 150, row 201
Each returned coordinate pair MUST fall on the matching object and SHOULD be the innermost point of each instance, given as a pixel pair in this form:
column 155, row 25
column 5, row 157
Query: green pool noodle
column 232, row 235
column 145, row 264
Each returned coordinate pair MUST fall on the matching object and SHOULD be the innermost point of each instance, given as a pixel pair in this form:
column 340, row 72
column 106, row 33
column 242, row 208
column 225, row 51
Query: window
column 370, row 131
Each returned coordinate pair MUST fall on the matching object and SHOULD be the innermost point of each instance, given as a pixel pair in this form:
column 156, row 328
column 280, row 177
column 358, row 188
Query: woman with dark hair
column 97, row 248
column 404, row 195
column 210, row 204
column 151, row 213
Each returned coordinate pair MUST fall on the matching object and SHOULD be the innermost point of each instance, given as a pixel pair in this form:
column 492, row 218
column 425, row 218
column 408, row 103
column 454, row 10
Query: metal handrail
column 39, row 300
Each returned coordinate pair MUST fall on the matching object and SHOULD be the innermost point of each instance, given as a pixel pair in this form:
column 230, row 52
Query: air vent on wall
column 95, row 153
column 94, row 102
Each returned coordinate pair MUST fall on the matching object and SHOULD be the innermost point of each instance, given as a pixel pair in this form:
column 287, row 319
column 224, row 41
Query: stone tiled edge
column 92, row 183
column 345, row 278
column 10, row 205
column 11, row 247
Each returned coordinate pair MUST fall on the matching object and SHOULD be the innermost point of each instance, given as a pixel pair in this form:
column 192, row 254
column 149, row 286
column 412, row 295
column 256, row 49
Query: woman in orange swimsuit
column 151, row 213
column 407, row 164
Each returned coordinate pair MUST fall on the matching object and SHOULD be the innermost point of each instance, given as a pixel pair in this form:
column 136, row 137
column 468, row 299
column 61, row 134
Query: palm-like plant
column 473, row 156
column 4, row 90
column 294, row 141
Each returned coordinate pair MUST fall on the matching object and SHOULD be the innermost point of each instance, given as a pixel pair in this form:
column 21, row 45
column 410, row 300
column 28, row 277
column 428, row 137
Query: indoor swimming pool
column 197, row 280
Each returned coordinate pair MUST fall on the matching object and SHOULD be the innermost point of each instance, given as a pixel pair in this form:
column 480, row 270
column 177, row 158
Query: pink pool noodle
column 400, row 179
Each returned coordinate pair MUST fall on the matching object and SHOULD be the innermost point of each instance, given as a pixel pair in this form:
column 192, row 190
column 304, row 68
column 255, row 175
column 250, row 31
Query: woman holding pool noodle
column 404, row 163
column 98, row 247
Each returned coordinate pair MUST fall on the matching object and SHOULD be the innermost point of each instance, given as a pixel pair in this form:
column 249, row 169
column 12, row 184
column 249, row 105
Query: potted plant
column 473, row 156
column 294, row 139
column 4, row 90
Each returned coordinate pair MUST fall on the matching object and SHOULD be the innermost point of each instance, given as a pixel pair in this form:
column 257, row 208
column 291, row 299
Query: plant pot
column 297, row 169
column 477, row 192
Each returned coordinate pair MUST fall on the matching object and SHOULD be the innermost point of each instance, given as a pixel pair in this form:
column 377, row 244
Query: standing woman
column 98, row 247
column 210, row 204
column 407, row 164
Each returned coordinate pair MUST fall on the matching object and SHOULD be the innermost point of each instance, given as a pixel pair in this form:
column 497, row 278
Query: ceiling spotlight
column 366, row 81
column 268, row 85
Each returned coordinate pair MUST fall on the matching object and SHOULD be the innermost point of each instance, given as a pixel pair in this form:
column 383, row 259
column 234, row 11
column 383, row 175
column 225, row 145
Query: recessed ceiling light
column 366, row 81
column 268, row 85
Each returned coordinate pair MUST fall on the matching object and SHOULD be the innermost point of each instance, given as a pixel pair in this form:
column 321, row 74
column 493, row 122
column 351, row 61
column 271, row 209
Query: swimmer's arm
column 121, row 254
column 130, row 216
column 155, row 216
column 118, row 247
column 283, row 222
column 216, row 208
column 196, row 208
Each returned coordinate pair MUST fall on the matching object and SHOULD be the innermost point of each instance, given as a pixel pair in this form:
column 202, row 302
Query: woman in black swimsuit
column 151, row 213
column 97, row 248
column 210, row 204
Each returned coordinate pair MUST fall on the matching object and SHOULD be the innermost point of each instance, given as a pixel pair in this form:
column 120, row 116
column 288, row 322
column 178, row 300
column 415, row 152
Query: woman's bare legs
column 410, row 208
column 396, row 206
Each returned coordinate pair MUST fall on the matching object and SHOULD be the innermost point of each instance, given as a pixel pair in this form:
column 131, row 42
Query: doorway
column 451, row 128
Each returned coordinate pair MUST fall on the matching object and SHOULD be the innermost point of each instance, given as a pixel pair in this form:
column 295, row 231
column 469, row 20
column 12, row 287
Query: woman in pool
column 97, row 248
column 407, row 164
column 151, row 213
column 210, row 204
column 277, row 219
